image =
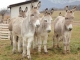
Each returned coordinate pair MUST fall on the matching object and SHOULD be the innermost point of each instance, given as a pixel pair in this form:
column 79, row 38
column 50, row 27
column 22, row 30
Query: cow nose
column 37, row 26
column 70, row 29
column 49, row 31
column 35, row 7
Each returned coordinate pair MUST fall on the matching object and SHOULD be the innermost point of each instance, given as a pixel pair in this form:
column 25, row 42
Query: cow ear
column 46, row 11
column 39, row 4
column 51, row 11
column 60, row 14
column 31, row 6
column 66, row 8
column 26, row 9
column 74, row 9
column 20, row 9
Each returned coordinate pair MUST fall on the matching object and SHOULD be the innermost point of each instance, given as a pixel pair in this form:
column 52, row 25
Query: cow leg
column 39, row 43
column 30, row 40
column 11, row 37
column 35, row 43
column 19, row 44
column 14, row 43
column 65, row 44
column 24, row 46
column 68, row 46
column 45, row 43
column 54, row 41
column 58, row 42
column 68, row 43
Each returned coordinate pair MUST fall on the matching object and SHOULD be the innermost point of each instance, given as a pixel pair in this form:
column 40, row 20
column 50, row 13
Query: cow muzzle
column 48, row 31
column 70, row 29
column 37, row 26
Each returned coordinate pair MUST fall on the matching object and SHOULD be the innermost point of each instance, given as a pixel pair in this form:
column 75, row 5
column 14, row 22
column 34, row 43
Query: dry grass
column 54, row 54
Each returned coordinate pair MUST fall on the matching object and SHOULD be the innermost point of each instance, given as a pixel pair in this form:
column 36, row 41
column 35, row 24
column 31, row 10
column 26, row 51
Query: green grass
column 53, row 54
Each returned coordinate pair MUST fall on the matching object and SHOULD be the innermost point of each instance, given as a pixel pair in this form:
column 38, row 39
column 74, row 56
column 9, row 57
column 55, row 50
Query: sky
column 63, row 1
column 6, row 3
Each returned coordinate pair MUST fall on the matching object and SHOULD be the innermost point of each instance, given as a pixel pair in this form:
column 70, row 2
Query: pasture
column 53, row 54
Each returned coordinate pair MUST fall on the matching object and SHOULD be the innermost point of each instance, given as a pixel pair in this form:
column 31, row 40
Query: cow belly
column 17, row 30
column 42, row 34
column 29, row 34
column 59, row 29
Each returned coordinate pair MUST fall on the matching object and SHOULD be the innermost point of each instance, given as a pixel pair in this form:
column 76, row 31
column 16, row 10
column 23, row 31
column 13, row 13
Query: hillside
column 50, row 4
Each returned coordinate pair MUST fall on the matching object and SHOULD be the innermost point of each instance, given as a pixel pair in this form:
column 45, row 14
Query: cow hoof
column 11, row 44
column 39, row 51
column 68, row 51
column 19, row 52
column 29, row 57
column 58, row 46
column 54, row 46
column 34, row 49
column 64, row 52
column 46, row 52
column 24, row 55
column 14, row 52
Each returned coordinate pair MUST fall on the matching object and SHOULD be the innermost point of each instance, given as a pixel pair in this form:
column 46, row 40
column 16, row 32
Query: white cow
column 43, row 30
column 22, row 14
column 25, row 28
column 63, row 28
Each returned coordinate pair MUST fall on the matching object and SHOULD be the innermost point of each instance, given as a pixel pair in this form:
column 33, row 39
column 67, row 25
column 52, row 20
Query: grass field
column 53, row 54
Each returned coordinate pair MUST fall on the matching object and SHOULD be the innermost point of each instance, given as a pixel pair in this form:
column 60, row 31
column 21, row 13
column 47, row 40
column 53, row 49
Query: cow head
column 47, row 19
column 22, row 13
column 34, row 13
column 69, row 18
column 35, row 7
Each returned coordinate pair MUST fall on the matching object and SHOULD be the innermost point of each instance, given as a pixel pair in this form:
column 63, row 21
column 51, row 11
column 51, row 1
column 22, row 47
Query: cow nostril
column 49, row 31
column 70, row 11
column 70, row 29
column 35, row 7
column 37, row 26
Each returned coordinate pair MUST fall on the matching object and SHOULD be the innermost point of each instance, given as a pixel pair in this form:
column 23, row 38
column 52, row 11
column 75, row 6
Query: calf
column 43, row 31
column 25, row 28
column 22, row 14
column 62, row 29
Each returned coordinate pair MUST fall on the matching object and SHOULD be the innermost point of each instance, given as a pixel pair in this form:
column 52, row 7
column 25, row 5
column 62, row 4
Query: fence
column 4, row 32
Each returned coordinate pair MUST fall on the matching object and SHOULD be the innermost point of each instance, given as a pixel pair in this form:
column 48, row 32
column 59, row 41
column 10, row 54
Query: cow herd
column 29, row 30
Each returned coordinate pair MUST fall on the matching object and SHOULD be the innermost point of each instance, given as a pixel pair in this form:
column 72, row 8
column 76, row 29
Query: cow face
column 35, row 21
column 69, row 18
column 47, row 20
column 35, row 7
column 22, row 13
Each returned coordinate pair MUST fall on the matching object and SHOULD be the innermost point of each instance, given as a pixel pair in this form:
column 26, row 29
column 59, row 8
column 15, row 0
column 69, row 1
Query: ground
column 53, row 54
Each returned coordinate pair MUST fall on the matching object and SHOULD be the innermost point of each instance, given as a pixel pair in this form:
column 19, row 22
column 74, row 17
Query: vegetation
column 2, row 13
column 53, row 54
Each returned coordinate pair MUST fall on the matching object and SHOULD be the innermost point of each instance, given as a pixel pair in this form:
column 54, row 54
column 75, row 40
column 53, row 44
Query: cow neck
column 29, row 26
column 43, row 25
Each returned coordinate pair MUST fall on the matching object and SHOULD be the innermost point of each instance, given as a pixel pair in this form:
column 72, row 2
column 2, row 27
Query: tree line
column 3, row 12
column 70, row 7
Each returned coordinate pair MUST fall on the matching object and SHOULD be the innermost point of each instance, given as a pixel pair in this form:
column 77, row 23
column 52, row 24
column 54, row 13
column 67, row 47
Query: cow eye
column 32, row 14
column 45, row 20
column 22, row 10
column 66, row 18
